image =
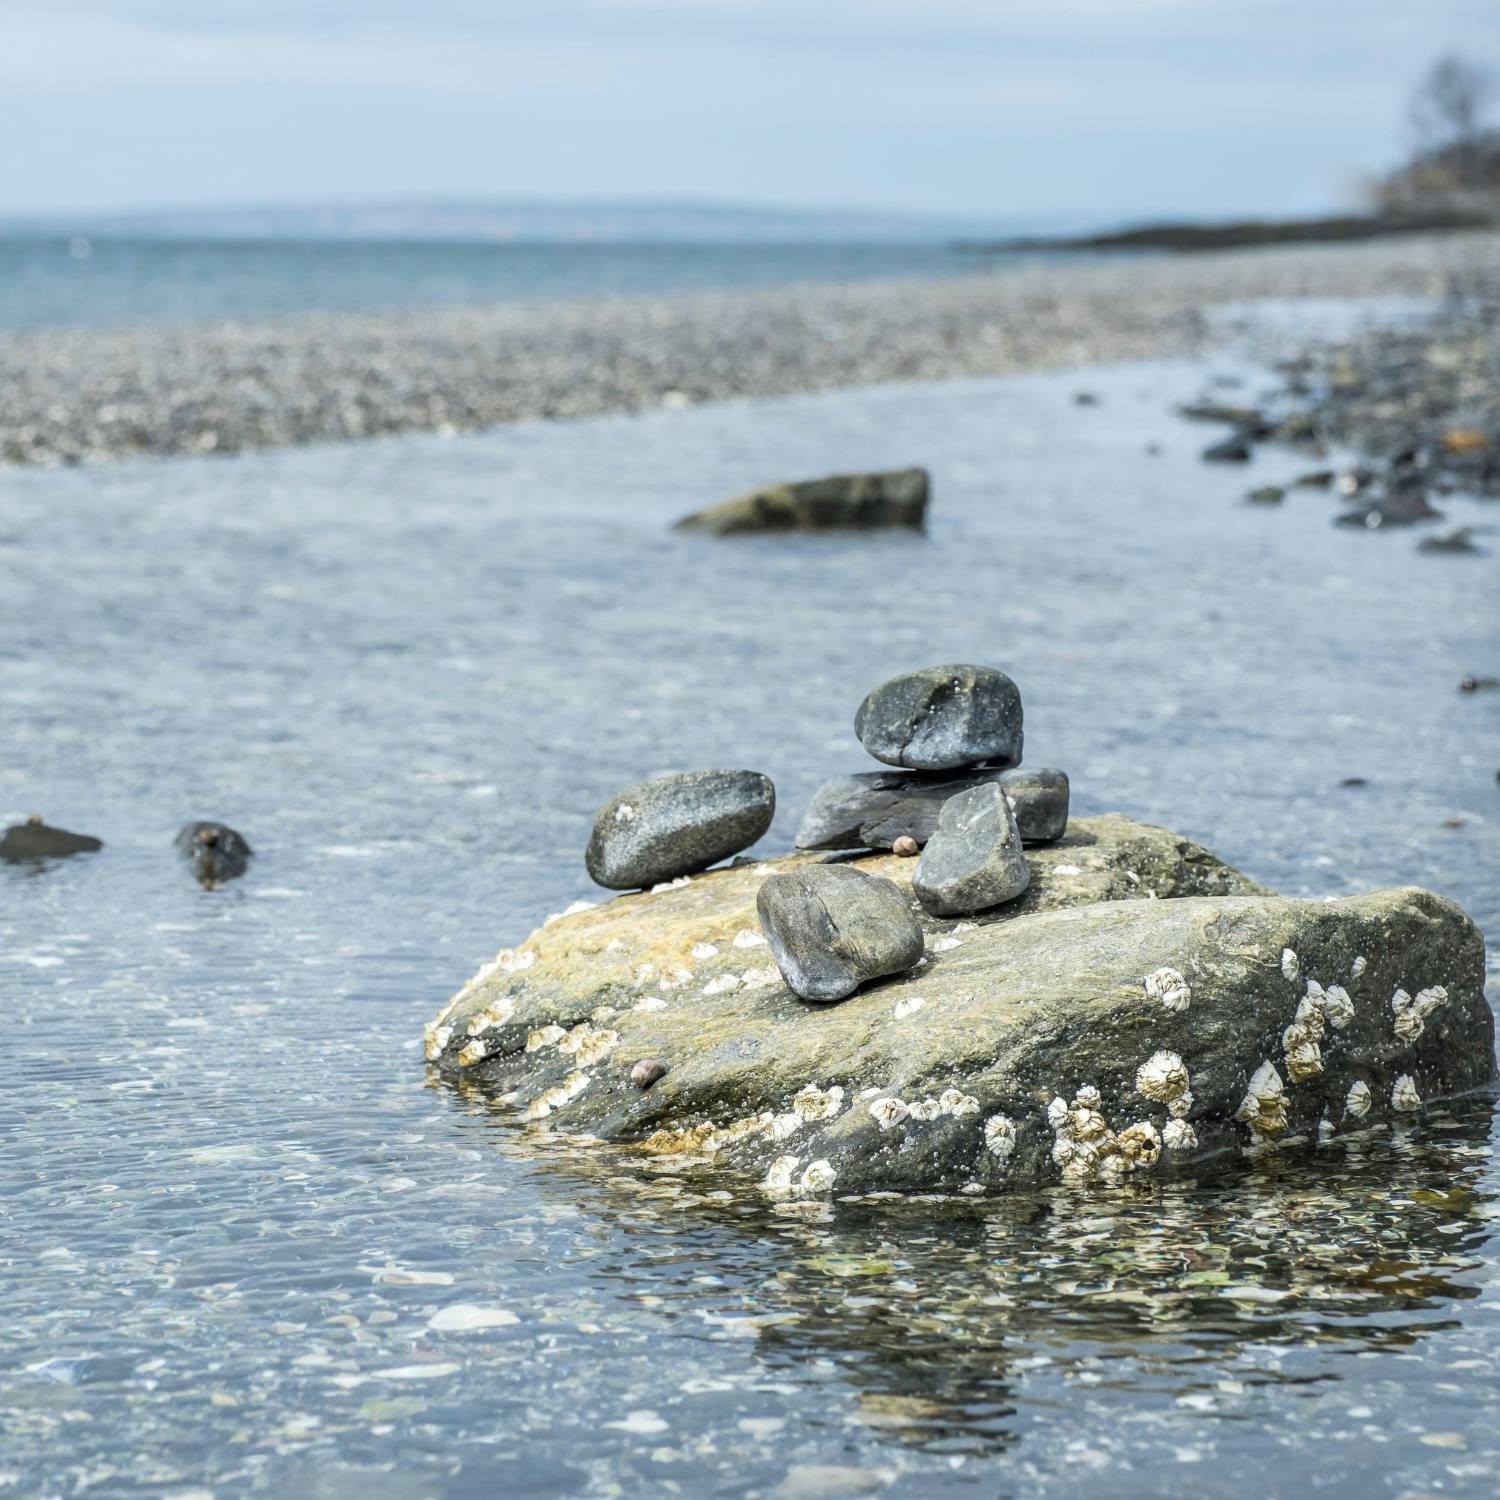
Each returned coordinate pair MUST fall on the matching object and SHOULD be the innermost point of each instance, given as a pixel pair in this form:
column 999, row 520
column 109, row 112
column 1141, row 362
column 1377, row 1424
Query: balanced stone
column 216, row 852
column 873, row 809
column 35, row 840
column 833, row 928
column 677, row 825
column 940, row 718
column 974, row 860
column 841, row 502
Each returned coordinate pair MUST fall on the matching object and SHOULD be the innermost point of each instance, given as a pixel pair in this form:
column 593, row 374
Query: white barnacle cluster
column 1358, row 1100
column 675, row 978
column 1263, row 1108
column 758, row 979
column 435, row 1040
column 545, row 1036
column 705, row 950
column 908, row 1007
column 1086, row 1148
column 624, row 813
column 782, row 1179
column 1411, row 1013
column 671, row 885
column 1301, row 1042
column 944, row 944
column 587, row 1044
column 1404, row 1096
column 496, row 1013
column 888, row 1112
column 1163, row 1078
column 956, row 1103
column 1179, row 1135
column 722, row 984
column 1000, row 1137
column 1334, row 1003
column 812, row 1103
column 508, row 961
column 554, row 1098
column 748, row 937
column 1168, row 987
column 473, row 1052
column 1358, row 966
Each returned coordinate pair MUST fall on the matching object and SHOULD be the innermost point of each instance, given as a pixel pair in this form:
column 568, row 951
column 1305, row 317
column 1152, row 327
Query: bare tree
column 1448, row 105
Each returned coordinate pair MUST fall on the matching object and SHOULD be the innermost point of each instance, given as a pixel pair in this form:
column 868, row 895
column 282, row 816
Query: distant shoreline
column 86, row 395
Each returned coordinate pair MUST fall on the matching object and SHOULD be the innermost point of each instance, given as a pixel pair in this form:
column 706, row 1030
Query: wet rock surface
column 1142, row 1005
column 873, row 809
column 675, row 825
column 841, row 502
column 974, row 860
column 832, row 928
column 34, row 840
column 940, row 718
column 216, row 852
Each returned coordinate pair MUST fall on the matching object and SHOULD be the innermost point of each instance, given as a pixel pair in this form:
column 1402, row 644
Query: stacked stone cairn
column 956, row 801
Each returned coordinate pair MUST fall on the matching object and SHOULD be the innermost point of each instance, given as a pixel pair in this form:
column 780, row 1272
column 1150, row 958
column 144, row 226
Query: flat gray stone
column 974, row 860
column 841, row 502
column 941, row 718
column 678, row 825
column 35, row 840
column 872, row 809
column 833, row 928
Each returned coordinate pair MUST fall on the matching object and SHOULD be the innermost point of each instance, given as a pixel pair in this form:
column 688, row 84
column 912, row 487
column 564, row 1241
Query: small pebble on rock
column 833, row 928
column 905, row 846
column 647, row 1071
column 974, row 860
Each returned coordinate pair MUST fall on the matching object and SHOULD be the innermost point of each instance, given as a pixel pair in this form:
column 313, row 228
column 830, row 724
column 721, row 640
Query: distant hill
column 579, row 223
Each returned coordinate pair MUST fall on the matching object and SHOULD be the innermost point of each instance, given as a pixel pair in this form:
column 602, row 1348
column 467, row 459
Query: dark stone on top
column 841, row 502
column 677, row 825
column 974, row 860
column 217, row 853
column 833, row 928
column 941, row 718
column 34, row 840
column 873, row 809
column 1232, row 450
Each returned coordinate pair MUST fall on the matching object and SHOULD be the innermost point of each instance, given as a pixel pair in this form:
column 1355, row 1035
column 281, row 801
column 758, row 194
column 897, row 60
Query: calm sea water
column 233, row 1206
column 47, row 283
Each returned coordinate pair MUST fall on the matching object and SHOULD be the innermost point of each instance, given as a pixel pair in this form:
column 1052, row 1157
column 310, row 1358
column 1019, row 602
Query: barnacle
column 924, row 1109
column 1411, row 1014
column 650, row 1002
column 1000, row 1136
column 818, row 1176
column 954, row 1102
column 722, row 984
column 587, row 1045
column 496, row 1013
column 1168, row 986
column 1404, row 1095
column 748, row 937
column 1263, row 1108
column 1357, row 967
column 1162, row 1077
column 1086, row 1148
column 1180, row 1106
column 435, row 1039
column 1289, row 965
column 778, row 1178
column 1334, row 1003
column 564, row 1093
column 813, row 1103
column 1141, row 1143
column 908, row 1007
column 1178, row 1135
column 473, row 1052
column 1357, row 1101
column 1299, row 1044
column 544, row 1036
column 1057, row 1112
column 888, row 1112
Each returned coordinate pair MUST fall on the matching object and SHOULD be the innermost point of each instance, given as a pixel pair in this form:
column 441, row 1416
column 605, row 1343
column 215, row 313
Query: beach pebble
column 33, row 839
column 647, row 1071
column 906, row 846
column 1232, row 450
column 833, row 928
column 974, row 860
column 940, row 718
column 676, row 825
column 874, row 809
column 216, row 852
column 841, row 502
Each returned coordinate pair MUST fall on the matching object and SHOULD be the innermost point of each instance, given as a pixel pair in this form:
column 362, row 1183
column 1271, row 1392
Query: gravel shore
column 83, row 395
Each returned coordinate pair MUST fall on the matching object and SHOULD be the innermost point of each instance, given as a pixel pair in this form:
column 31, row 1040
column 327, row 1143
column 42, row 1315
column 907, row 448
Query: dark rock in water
column 842, row 502
column 1246, row 419
column 833, row 928
column 1354, row 781
column 1474, row 684
column 1404, row 508
column 1267, row 494
column 940, row 718
column 874, row 809
column 677, row 825
column 1085, row 398
column 1461, row 540
column 1233, row 450
column 1321, row 479
column 974, row 860
column 34, row 840
column 216, row 851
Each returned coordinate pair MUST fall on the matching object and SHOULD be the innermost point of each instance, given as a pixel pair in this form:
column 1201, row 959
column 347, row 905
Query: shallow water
column 232, row 1204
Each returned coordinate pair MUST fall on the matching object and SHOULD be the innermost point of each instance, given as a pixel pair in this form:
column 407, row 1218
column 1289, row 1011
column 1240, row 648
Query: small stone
column 940, row 718
column 34, row 840
column 833, row 928
column 974, row 860
column 841, row 502
column 676, row 825
column 647, row 1071
column 217, row 853
column 1266, row 494
column 906, row 846
column 1232, row 450
column 873, row 809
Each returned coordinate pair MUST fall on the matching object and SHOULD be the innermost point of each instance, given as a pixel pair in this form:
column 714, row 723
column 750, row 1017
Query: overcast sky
column 1107, row 108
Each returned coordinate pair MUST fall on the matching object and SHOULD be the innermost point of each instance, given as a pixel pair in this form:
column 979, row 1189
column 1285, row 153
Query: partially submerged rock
column 216, row 852
column 974, row 860
column 873, row 809
column 832, row 928
column 676, row 825
column 841, row 502
column 940, row 718
column 1141, row 1005
column 34, row 840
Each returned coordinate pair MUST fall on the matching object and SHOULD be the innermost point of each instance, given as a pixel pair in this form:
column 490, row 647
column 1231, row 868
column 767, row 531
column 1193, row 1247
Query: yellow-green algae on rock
column 1034, row 1042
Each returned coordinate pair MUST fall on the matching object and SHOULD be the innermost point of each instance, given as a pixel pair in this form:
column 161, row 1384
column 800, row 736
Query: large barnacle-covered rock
column 1049, row 1039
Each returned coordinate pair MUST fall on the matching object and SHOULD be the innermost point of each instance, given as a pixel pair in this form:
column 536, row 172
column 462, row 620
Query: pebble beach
column 82, row 395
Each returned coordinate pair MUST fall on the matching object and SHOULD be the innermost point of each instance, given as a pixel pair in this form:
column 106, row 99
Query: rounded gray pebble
column 974, row 860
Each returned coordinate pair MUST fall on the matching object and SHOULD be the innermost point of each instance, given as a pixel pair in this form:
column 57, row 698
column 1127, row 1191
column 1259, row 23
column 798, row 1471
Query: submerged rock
column 216, row 851
column 35, row 840
column 941, row 718
column 841, row 502
column 875, row 809
column 974, row 860
column 1231, row 450
column 1083, row 1031
column 677, row 825
column 832, row 928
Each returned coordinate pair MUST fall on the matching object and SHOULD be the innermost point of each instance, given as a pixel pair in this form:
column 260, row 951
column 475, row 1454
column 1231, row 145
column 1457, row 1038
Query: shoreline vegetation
column 84, row 395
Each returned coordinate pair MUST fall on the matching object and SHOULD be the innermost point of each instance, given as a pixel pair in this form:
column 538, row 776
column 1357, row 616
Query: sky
column 1109, row 110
